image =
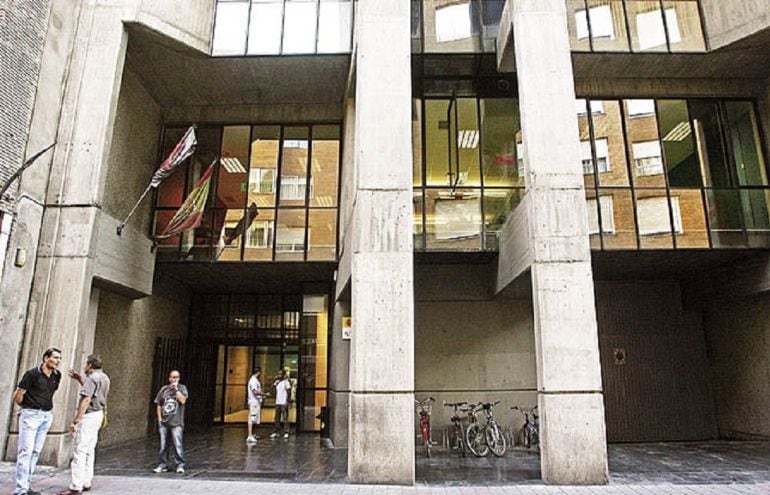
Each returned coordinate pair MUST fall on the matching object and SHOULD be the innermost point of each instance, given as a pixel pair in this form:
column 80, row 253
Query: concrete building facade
column 554, row 203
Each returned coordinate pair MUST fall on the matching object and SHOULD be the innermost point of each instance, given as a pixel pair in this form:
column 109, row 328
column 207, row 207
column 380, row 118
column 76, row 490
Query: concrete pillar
column 573, row 441
column 62, row 307
column 381, row 436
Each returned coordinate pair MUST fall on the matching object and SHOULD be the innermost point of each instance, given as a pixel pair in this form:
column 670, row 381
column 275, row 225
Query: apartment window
column 652, row 32
column 291, row 240
column 274, row 27
column 647, row 158
column 262, row 180
column 260, row 235
column 602, row 156
column 640, row 108
column 607, row 213
column 654, row 217
column 293, row 187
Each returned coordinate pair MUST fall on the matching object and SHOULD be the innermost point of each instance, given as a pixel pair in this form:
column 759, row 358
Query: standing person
column 255, row 402
column 282, row 390
column 34, row 394
column 170, row 402
column 89, row 415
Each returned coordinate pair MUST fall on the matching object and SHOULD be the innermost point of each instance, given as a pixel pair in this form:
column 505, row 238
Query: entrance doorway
column 235, row 365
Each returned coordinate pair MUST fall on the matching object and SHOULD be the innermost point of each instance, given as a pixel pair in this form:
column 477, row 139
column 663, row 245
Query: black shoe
column 32, row 492
column 86, row 488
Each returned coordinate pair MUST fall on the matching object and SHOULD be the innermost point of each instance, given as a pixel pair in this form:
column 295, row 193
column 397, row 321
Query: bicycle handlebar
column 425, row 401
column 454, row 404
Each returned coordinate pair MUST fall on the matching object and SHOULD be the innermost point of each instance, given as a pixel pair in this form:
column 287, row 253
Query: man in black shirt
column 35, row 396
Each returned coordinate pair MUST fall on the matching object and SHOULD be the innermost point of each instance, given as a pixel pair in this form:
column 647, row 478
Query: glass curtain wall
column 674, row 173
column 467, row 179
column 282, row 27
column 635, row 25
column 273, row 195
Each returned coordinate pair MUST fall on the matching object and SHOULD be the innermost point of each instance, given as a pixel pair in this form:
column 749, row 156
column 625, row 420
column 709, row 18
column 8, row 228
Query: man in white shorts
column 256, row 396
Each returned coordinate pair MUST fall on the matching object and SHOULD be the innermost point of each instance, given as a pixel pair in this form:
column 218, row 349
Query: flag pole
column 24, row 166
column 130, row 213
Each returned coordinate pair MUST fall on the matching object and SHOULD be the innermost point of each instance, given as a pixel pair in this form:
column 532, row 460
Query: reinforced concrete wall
column 727, row 22
column 738, row 338
column 470, row 346
column 661, row 390
column 126, row 332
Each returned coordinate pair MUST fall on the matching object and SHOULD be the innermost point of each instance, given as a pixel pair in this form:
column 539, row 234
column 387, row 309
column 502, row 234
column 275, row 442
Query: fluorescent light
column 233, row 165
column 468, row 138
column 680, row 132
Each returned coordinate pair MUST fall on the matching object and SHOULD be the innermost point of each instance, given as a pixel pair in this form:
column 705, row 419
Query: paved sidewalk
column 50, row 481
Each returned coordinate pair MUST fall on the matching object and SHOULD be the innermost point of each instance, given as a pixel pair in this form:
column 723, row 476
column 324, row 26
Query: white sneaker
column 251, row 439
column 285, row 435
column 274, row 435
column 160, row 469
column 180, row 470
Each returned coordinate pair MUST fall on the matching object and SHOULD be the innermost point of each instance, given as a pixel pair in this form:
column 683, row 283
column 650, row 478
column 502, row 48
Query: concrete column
column 381, row 437
column 62, row 308
column 573, row 441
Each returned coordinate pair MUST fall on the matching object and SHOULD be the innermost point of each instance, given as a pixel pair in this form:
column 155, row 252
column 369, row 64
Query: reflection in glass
column 499, row 124
column 265, row 27
column 334, row 25
column 418, row 218
column 684, row 25
column 710, row 139
column 725, row 218
column 687, row 206
column 577, row 24
column 586, row 154
column 745, row 143
column 299, row 26
column 467, row 144
column 498, row 204
column 290, row 235
column 436, row 142
column 197, row 243
column 325, row 165
column 322, row 235
column 678, row 146
column 231, row 191
column 654, row 220
column 646, row 22
column 618, row 226
column 451, row 26
column 592, row 214
column 453, row 219
column 230, row 28
column 610, row 142
column 417, row 142
column 265, row 142
column 294, row 166
column 607, row 25
column 258, row 240
column 645, row 150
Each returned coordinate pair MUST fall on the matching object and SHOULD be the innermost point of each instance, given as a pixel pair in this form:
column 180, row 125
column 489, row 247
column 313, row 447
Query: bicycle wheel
column 495, row 439
column 474, row 439
column 527, row 437
column 427, row 447
column 459, row 440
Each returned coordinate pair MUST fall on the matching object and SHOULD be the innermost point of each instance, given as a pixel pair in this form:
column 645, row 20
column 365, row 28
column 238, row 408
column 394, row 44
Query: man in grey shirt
column 170, row 410
column 89, row 416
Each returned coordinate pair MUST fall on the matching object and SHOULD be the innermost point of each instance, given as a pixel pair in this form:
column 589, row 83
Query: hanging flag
column 183, row 149
column 190, row 214
column 243, row 224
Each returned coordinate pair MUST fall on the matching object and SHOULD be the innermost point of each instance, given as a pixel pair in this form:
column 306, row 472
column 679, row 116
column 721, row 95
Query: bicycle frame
column 424, row 408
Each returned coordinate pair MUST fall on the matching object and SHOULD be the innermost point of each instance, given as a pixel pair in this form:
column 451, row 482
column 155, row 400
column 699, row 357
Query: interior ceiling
column 247, row 278
column 177, row 75
column 746, row 58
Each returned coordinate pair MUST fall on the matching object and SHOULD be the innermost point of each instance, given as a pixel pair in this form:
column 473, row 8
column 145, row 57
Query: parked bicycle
column 479, row 438
column 530, row 431
column 424, row 408
column 457, row 442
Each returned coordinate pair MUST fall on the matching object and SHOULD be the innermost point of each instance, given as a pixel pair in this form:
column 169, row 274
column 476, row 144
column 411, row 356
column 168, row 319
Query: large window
column 635, row 25
column 273, row 196
column 681, row 173
column 467, row 178
column 274, row 27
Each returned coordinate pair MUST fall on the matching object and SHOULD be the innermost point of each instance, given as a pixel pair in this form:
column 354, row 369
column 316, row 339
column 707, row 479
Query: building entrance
column 235, row 365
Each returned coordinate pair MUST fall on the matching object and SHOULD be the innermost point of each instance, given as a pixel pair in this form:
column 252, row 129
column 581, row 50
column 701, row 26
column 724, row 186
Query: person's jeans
column 281, row 417
column 83, row 449
column 33, row 426
column 176, row 433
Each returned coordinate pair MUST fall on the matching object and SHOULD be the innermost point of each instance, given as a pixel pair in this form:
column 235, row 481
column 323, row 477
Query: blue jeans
column 176, row 437
column 33, row 426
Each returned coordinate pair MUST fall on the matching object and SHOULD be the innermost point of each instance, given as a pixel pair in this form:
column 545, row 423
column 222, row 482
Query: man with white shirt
column 256, row 396
column 282, row 394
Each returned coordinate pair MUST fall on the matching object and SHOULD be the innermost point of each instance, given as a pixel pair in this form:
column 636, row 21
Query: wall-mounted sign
column 620, row 356
column 347, row 327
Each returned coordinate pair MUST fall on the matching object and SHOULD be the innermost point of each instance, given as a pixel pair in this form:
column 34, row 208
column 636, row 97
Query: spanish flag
column 190, row 214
